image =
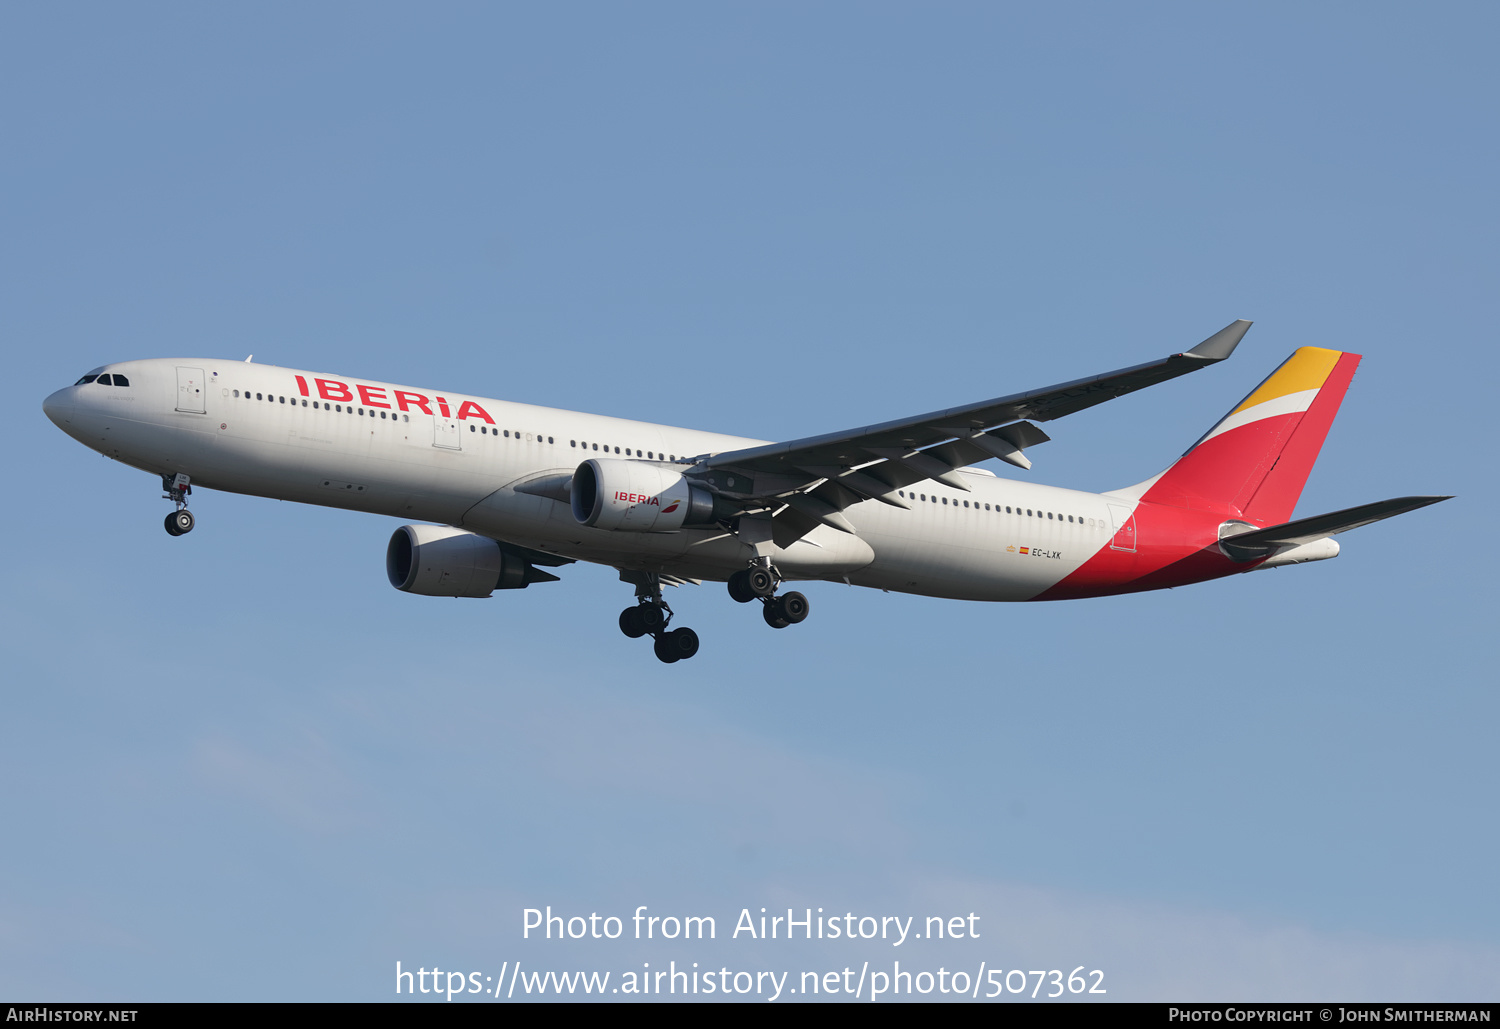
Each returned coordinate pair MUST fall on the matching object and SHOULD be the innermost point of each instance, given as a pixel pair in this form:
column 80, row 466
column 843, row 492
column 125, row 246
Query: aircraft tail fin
column 1255, row 461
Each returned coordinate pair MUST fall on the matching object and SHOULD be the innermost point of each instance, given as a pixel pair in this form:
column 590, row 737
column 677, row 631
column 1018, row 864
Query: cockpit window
column 120, row 380
column 86, row 378
column 105, row 380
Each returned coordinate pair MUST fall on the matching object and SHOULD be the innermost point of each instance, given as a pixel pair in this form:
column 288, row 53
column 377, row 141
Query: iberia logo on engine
column 638, row 498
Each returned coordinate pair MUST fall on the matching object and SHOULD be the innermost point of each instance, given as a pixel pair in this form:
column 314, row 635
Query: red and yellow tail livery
column 1255, row 461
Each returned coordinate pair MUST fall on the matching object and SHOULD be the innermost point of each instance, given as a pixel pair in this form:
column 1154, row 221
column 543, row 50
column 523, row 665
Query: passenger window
column 549, row 439
column 259, row 397
column 236, row 393
column 596, row 446
column 471, row 428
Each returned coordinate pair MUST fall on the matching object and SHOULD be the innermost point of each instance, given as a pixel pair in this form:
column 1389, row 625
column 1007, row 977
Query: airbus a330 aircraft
column 895, row 506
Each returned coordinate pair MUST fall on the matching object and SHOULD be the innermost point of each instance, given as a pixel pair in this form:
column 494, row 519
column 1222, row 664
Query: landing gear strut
column 180, row 521
column 759, row 582
column 650, row 616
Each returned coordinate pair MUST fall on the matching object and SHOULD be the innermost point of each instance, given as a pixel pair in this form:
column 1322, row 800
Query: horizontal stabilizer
column 1247, row 546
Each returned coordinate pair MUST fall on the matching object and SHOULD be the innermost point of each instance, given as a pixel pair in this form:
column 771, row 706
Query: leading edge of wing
column 1040, row 404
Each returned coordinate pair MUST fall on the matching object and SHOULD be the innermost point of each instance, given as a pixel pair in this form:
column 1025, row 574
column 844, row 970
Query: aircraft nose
column 57, row 406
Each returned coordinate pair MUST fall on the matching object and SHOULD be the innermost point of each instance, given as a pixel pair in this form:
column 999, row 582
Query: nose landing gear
column 179, row 522
column 759, row 582
column 650, row 617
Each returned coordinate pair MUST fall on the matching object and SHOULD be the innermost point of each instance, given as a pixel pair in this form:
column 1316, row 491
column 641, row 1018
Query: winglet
column 1222, row 343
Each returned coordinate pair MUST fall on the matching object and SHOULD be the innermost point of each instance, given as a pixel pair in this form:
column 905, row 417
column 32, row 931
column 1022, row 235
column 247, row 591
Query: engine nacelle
column 441, row 561
column 637, row 496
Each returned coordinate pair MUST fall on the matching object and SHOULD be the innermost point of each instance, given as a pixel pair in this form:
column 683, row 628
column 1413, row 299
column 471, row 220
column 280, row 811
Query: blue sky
column 241, row 766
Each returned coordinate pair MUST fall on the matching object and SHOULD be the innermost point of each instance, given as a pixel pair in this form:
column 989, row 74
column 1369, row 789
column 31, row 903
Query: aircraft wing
column 817, row 477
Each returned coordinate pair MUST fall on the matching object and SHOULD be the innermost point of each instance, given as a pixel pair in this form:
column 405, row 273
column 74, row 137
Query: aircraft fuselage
column 455, row 459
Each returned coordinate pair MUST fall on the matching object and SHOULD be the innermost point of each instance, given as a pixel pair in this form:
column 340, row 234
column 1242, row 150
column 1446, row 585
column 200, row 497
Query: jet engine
column 637, row 496
column 441, row 561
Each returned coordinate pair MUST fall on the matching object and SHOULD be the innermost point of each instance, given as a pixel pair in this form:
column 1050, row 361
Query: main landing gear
column 759, row 582
column 650, row 617
column 179, row 522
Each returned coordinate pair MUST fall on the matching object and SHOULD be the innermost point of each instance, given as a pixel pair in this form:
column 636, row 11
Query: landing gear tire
column 787, row 609
column 677, row 645
column 793, row 607
column 739, row 587
column 773, row 614
column 653, row 618
column 663, row 648
column 631, row 623
column 762, row 581
column 179, row 523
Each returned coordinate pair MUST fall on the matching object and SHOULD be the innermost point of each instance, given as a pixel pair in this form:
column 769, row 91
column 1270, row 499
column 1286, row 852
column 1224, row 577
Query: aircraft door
column 190, row 390
column 1124, row 522
column 445, row 433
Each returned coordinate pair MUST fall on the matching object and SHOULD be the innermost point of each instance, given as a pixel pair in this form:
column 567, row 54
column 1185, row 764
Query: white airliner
column 896, row 506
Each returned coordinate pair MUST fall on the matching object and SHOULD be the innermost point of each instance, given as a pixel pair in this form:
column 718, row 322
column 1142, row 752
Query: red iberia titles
column 377, row 396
